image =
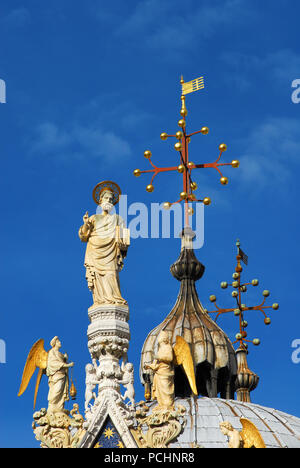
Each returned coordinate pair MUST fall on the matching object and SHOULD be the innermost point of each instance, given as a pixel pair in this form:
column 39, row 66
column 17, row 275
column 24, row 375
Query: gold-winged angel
column 163, row 369
column 52, row 363
column 248, row 437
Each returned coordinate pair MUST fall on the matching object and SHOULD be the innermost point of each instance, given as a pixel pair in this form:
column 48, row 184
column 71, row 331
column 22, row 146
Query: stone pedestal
column 108, row 341
column 108, row 332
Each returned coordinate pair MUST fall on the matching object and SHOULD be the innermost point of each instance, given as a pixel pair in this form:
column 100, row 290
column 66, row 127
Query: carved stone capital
column 159, row 428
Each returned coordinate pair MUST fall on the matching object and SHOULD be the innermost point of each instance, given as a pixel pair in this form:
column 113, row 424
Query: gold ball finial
column 223, row 147
column 235, row 163
column 150, row 188
column 147, row 154
column 206, row 201
column 194, row 186
column 191, row 165
column 204, row 130
column 191, row 211
column 167, row 205
column 163, row 136
column 180, row 168
column 181, row 123
column 224, row 180
column 183, row 195
column 137, row 173
column 179, row 135
column 178, row 146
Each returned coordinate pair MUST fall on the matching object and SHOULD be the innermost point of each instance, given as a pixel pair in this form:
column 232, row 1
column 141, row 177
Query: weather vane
column 186, row 166
column 238, row 289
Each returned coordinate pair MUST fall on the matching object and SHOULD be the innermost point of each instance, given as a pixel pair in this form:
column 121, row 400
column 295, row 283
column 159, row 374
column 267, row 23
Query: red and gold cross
column 239, row 288
column 186, row 166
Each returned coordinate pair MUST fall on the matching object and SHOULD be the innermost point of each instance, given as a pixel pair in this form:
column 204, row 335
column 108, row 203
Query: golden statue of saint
column 107, row 243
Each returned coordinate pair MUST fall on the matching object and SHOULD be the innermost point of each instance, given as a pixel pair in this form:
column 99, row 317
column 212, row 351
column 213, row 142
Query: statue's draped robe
column 103, row 259
column 163, row 380
column 58, row 381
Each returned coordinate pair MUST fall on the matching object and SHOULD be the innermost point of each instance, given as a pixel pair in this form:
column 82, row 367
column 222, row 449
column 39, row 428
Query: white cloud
column 271, row 153
column 280, row 67
column 80, row 142
column 166, row 26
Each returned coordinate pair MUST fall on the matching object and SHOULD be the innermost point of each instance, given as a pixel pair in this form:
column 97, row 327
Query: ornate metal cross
column 186, row 166
column 238, row 289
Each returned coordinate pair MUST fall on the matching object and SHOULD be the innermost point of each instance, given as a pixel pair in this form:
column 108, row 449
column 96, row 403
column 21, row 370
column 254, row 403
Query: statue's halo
column 107, row 185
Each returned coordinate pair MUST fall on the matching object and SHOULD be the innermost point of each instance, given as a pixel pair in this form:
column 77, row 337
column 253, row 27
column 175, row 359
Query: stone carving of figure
column 163, row 368
column 58, row 378
column 105, row 251
column 235, row 439
column 128, row 382
column 91, row 382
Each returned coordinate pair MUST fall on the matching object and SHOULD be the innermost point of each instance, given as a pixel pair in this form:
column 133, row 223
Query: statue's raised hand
column 86, row 218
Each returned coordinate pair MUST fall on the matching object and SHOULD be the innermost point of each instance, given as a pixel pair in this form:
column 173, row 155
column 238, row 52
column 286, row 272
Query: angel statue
column 107, row 242
column 90, row 384
column 248, row 437
column 128, row 382
column 54, row 364
column 163, row 368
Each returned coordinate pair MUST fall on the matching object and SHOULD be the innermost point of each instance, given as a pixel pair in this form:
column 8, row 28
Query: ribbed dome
column 213, row 354
column 203, row 417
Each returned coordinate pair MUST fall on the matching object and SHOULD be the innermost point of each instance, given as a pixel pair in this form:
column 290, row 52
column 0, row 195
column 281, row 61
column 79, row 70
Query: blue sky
column 90, row 86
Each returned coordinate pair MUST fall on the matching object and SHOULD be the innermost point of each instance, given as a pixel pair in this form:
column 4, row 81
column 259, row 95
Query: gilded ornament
column 224, row 180
column 206, row 201
column 150, row 188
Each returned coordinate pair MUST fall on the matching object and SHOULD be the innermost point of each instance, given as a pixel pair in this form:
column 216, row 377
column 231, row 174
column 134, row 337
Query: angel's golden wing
column 251, row 435
column 37, row 357
column 184, row 357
